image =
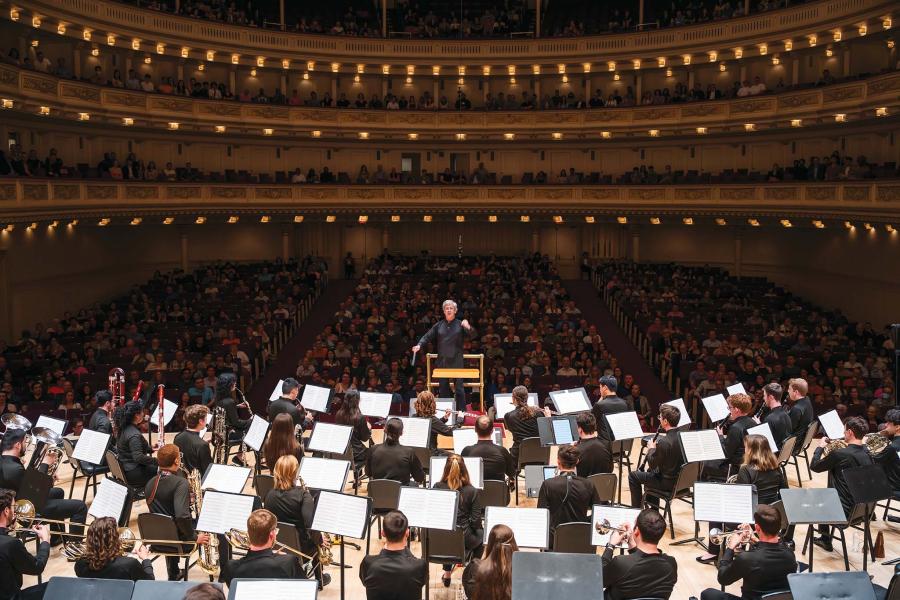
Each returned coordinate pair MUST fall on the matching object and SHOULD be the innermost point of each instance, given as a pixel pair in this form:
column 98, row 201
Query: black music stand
column 813, row 506
column 831, row 586
column 868, row 485
column 554, row 575
column 163, row 590
column 35, row 487
column 81, row 588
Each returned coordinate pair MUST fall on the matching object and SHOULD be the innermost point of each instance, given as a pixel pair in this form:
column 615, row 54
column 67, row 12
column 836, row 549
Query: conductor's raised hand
column 465, row 324
column 416, row 348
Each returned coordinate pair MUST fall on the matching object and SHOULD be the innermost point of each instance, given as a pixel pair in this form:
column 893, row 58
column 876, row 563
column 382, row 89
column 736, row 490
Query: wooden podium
column 458, row 373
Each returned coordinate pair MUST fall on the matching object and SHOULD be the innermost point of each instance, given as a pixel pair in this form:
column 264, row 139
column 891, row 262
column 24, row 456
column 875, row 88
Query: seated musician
column 350, row 415
column 764, row 568
column 664, row 459
column 194, row 449
column 226, row 386
column 12, row 472
column 287, row 403
column 100, row 420
column 426, row 408
column 132, row 449
column 281, row 441
column 261, row 562
column 103, row 558
column 645, row 572
column 595, row 454
column 469, row 512
column 15, row 560
column 739, row 421
column 801, row 409
column 774, row 414
column 608, row 404
column 521, row 421
column 204, row 591
column 391, row 460
column 395, row 573
column 491, row 577
column 496, row 460
column 889, row 459
column 567, row 496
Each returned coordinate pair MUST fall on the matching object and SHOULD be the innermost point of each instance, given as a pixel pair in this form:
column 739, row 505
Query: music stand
column 815, row 506
column 831, row 586
column 84, row 588
column 35, row 486
column 554, row 575
column 300, row 589
column 868, row 485
column 163, row 590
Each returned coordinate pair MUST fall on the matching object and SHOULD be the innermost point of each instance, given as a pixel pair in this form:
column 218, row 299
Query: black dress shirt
column 768, row 483
column 496, row 460
column 780, row 423
column 521, row 428
column 360, row 435
column 568, row 497
column 853, row 455
column 469, row 514
column 232, row 419
column 170, row 494
column 286, row 405
column 261, row 564
column 16, row 561
column 396, row 462
column 801, row 413
column 121, row 567
column 667, row 458
column 393, row 575
column 12, row 471
column 764, row 569
column 595, row 457
column 638, row 575
column 134, row 450
column 890, row 462
column 295, row 506
column 438, row 427
column 609, row 405
column 733, row 444
column 194, row 450
column 100, row 422
column 448, row 337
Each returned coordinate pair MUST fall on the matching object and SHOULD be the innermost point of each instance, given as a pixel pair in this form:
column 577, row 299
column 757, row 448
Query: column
column 746, row 7
column 638, row 86
column 76, row 62
column 795, row 71
column 281, row 13
column 845, row 60
column 177, row 6
column 635, row 243
column 384, row 85
column 537, row 18
column 285, row 245
column 641, row 13
column 738, row 253
column 232, row 81
column 537, row 86
column 486, row 87
column 284, row 83
column 436, row 93
column 334, row 85
column 587, row 87
column 385, row 238
column 384, row 29
column 535, row 240
column 743, row 72
column 184, row 252
column 180, row 71
column 691, row 79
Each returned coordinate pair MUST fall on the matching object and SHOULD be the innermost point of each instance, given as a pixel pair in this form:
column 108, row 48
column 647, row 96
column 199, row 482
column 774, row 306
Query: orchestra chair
column 530, row 453
column 356, row 470
column 803, row 448
column 784, row 457
column 683, row 490
column 290, row 537
column 856, row 520
column 785, row 595
column 494, row 493
column 444, row 547
column 385, row 495
column 118, row 474
column 86, row 588
column 263, row 484
column 424, row 456
column 154, row 526
column 163, row 590
column 605, row 484
column 574, row 538
column 887, row 505
column 86, row 470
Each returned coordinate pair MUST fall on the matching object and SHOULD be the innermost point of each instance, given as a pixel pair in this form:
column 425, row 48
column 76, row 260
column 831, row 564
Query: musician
column 890, row 458
column 778, row 419
column 292, row 503
column 854, row 455
column 287, row 403
column 426, row 408
column 490, row 577
column 12, row 472
column 170, row 494
column 394, row 574
column 226, row 384
column 281, row 441
column 261, row 562
column 103, row 558
column 100, row 420
column 15, row 560
column 801, row 408
column 645, row 572
column 609, row 404
column 349, row 414
column 567, row 496
column 449, row 336
column 595, row 455
column 204, row 591
column 739, row 407
column 764, row 568
column 194, row 449
column 390, row 460
column 496, row 460
column 521, row 421
column 469, row 512
column 664, row 460
column 135, row 454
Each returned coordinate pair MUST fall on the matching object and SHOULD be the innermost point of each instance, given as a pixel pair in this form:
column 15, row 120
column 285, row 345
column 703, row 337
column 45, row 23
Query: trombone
column 239, row 539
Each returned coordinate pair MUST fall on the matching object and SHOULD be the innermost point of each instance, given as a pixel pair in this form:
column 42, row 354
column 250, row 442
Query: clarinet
column 762, row 407
column 161, row 421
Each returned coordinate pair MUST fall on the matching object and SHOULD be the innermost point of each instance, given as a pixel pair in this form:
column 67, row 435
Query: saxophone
column 208, row 558
column 324, row 548
column 219, row 435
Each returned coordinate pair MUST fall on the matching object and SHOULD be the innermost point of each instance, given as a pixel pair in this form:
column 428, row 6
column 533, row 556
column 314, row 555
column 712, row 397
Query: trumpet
column 604, row 526
column 718, row 537
column 240, row 540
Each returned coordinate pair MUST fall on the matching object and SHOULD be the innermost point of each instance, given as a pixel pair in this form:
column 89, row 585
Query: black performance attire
column 768, row 487
column 396, row 462
column 469, row 515
column 638, row 575
column 733, row 446
column 393, row 575
column 780, row 423
column 261, row 564
column 496, row 460
column 195, row 451
column 438, row 427
column 16, row 561
column 854, row 455
column 12, row 471
column 286, row 405
column 663, row 465
column 170, row 495
column 100, row 422
column 890, row 462
column 802, row 415
column 296, row 506
column 568, row 497
column 521, row 428
column 595, row 457
column 449, row 337
column 764, row 569
column 135, row 456
column 235, row 425
column 608, row 405
column 359, row 437
column 121, row 567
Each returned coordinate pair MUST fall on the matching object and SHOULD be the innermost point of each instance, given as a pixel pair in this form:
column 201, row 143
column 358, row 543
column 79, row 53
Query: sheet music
column 276, row 393
column 282, row 589
column 415, row 432
column 474, row 466
column 531, row 526
column 209, row 417
column 91, row 446
column 702, row 445
column 315, row 398
column 442, row 405
column 832, row 424
column 737, row 388
column 723, row 502
column 55, row 425
column 716, row 407
column 570, row 401
column 562, row 431
column 256, row 434
column 373, row 404
column 169, row 409
column 463, row 438
column 341, row 514
column 324, row 473
column 109, row 499
column 684, row 417
column 330, row 437
column 429, row 508
column 625, row 426
column 503, row 403
column 225, row 478
column 616, row 516
column 221, row 512
column 764, row 430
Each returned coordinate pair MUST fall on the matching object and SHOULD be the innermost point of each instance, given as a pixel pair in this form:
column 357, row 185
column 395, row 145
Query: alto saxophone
column 208, row 553
column 324, row 548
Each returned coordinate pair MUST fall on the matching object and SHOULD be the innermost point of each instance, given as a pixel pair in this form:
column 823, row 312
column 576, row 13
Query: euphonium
column 52, row 442
column 875, row 443
column 208, row 553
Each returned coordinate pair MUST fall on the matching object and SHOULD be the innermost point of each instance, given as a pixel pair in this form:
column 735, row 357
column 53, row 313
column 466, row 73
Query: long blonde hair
column 456, row 475
column 493, row 577
column 285, row 472
column 758, row 453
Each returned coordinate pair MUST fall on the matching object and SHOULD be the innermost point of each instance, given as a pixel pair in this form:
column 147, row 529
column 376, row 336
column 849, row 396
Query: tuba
column 208, row 554
column 875, row 443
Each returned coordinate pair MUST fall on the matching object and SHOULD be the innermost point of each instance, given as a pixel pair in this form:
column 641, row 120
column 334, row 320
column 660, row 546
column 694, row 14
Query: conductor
column 448, row 336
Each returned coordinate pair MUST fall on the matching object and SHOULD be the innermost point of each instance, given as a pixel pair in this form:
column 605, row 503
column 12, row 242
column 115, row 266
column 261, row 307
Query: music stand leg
column 893, row 561
column 696, row 539
column 427, row 564
column 621, row 458
column 810, row 539
column 342, row 572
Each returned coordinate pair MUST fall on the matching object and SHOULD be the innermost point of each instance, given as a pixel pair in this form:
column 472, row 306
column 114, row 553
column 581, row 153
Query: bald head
column 484, row 427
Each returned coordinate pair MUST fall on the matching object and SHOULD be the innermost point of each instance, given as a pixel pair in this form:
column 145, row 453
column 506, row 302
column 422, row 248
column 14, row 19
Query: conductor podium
column 475, row 374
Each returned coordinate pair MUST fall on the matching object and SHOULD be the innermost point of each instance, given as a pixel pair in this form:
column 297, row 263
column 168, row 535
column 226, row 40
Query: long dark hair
column 349, row 413
column 125, row 414
column 281, row 439
column 393, row 429
column 493, row 576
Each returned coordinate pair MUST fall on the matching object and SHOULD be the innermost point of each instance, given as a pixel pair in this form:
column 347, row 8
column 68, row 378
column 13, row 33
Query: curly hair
column 101, row 545
column 425, row 405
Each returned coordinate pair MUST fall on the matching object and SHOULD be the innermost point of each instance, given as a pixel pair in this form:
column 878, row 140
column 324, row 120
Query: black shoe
column 326, row 579
column 706, row 561
column 236, row 460
column 823, row 544
column 893, row 519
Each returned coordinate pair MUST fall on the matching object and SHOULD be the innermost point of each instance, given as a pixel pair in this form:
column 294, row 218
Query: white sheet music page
column 503, row 403
column 282, row 589
column 91, row 446
column 737, row 388
column 256, row 434
column 764, row 430
column 531, row 526
column 625, row 426
column 616, row 516
column 330, row 437
column 415, row 432
column 702, row 445
column 570, row 401
column 684, row 417
column 341, row 514
column 372, row 404
column 315, row 398
column 276, row 393
column 169, row 409
column 209, row 417
column 442, row 405
column 562, row 431
column 225, row 478
column 832, row 424
column 463, row 438
column 324, row 473
column 716, row 407
column 109, row 500
column 474, row 466
column 221, row 512
column 56, row 425
column 430, row 508
column 723, row 502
